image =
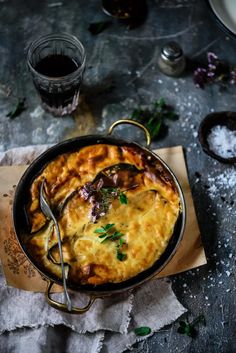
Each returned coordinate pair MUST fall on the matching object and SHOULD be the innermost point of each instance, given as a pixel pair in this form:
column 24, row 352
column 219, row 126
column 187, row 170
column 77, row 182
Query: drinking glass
column 57, row 63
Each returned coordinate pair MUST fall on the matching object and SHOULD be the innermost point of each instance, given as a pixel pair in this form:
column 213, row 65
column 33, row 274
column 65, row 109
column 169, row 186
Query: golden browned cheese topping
column 116, row 208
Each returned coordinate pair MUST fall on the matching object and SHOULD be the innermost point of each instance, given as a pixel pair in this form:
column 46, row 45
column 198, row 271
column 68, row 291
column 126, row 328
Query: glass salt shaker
column 171, row 61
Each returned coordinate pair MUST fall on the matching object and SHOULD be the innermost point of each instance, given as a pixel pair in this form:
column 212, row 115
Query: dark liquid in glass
column 56, row 66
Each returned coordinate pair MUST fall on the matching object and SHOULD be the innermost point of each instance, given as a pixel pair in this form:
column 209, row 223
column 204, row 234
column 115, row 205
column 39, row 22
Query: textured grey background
column 128, row 59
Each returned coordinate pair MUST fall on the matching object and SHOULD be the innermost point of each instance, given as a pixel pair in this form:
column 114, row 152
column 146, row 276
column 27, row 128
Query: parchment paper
column 20, row 273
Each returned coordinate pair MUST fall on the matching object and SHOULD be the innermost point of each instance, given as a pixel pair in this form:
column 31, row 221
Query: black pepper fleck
column 197, row 175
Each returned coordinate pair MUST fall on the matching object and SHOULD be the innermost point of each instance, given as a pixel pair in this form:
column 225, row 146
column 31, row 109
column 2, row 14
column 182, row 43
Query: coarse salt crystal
column 222, row 141
column 224, row 181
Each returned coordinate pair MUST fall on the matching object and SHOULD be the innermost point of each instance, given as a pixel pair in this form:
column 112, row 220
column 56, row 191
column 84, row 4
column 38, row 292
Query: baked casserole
column 116, row 208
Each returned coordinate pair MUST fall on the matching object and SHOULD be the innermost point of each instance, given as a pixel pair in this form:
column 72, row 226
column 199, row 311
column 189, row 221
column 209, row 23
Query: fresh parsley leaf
column 136, row 114
column 19, row 108
column 105, row 228
column 123, row 198
column 103, row 235
column 153, row 119
column 142, row 331
column 106, row 233
column 117, row 235
column 189, row 329
column 108, row 226
column 107, row 238
column 98, row 27
column 160, row 103
column 121, row 242
column 154, row 127
column 120, row 256
column 99, row 230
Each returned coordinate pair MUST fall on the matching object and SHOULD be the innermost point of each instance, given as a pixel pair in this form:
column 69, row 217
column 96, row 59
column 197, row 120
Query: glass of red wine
column 57, row 63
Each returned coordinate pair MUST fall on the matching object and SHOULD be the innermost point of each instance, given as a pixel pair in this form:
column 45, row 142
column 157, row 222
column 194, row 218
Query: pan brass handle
column 63, row 307
column 131, row 122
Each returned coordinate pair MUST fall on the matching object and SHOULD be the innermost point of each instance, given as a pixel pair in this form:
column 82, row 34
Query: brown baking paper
column 20, row 273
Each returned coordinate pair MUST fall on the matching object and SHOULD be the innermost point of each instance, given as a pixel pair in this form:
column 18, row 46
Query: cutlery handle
column 66, row 294
column 131, row 122
column 62, row 306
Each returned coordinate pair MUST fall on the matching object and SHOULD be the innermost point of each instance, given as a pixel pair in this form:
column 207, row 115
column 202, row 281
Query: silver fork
column 44, row 205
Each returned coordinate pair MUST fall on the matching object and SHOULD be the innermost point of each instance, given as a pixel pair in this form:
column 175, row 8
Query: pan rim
column 113, row 287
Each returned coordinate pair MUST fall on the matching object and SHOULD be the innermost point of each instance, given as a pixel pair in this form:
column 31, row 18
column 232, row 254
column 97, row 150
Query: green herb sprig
column 154, row 119
column 98, row 27
column 123, row 198
column 189, row 329
column 18, row 109
column 110, row 193
column 142, row 331
column 107, row 233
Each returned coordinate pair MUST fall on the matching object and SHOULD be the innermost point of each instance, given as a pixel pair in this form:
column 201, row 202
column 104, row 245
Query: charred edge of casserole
column 155, row 166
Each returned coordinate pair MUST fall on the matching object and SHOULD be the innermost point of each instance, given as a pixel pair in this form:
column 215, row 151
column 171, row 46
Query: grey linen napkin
column 29, row 324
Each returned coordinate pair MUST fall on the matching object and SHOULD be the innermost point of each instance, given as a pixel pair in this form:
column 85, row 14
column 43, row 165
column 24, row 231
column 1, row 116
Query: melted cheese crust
column 147, row 220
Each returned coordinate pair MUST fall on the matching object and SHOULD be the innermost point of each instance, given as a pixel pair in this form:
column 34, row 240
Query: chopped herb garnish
column 189, row 329
column 98, row 27
column 19, row 108
column 121, row 242
column 154, row 119
column 105, row 228
column 101, row 199
column 99, row 230
column 107, row 233
column 142, row 331
column 123, row 198
column 120, row 256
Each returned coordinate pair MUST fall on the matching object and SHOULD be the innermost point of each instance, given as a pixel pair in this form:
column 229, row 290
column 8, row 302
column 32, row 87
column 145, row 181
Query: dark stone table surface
column 126, row 60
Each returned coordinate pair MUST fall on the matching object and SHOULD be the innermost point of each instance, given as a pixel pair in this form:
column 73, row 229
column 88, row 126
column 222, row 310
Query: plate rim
column 219, row 21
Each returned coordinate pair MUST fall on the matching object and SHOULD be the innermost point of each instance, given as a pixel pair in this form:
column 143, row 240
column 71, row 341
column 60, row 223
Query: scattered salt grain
column 227, row 273
column 55, row 4
column 222, row 141
column 224, row 181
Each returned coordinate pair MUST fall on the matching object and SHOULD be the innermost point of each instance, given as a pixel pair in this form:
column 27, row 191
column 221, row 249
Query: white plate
column 225, row 11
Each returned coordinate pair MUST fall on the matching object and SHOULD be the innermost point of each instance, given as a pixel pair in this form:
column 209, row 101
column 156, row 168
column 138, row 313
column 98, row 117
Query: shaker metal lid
column 172, row 51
